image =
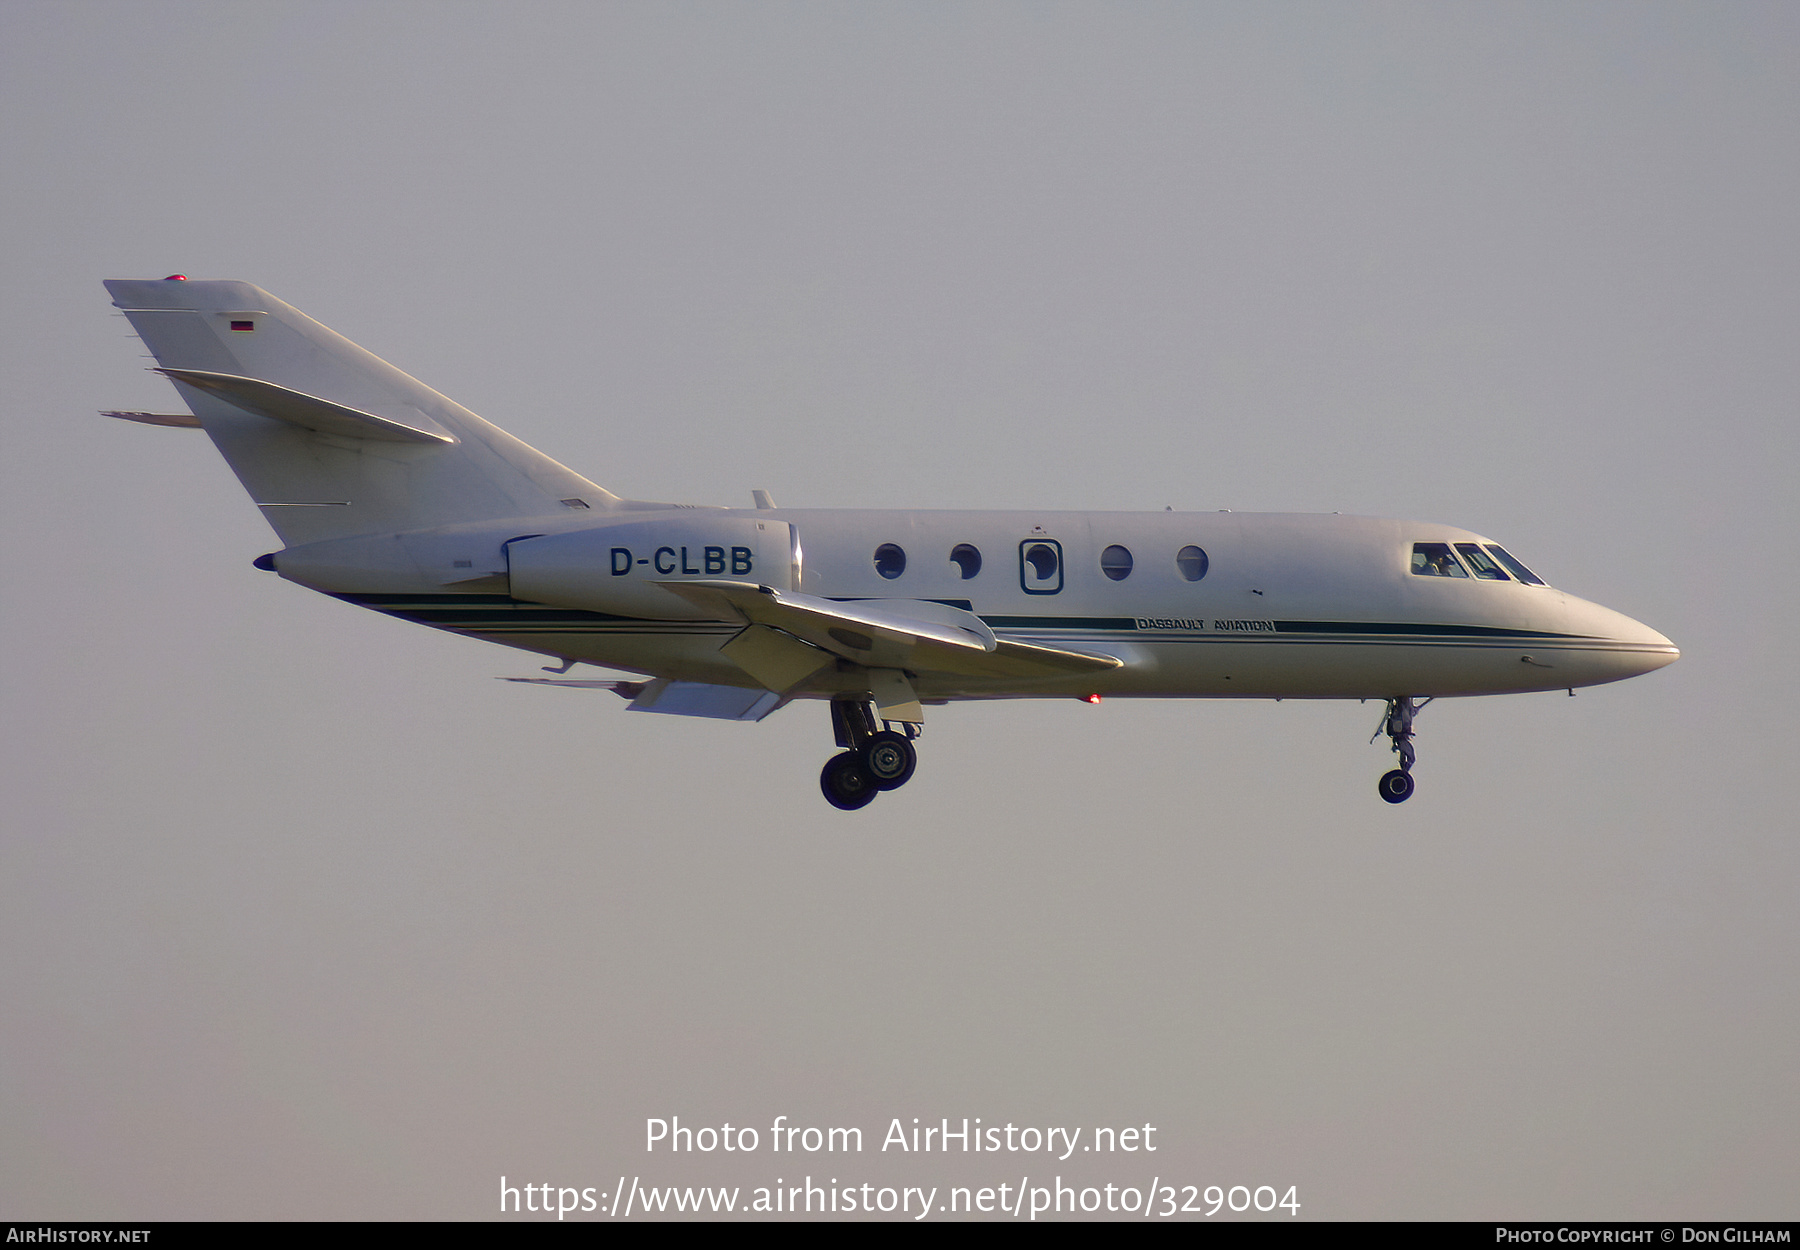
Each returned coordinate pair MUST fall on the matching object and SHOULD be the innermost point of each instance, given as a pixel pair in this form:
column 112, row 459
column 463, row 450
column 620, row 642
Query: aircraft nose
column 1653, row 650
column 1622, row 646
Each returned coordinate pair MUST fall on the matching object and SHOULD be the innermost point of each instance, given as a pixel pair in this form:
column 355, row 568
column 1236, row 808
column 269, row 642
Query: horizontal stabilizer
column 266, row 399
column 181, row 420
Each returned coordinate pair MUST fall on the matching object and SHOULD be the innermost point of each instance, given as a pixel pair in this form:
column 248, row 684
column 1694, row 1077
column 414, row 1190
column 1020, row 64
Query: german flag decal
column 243, row 327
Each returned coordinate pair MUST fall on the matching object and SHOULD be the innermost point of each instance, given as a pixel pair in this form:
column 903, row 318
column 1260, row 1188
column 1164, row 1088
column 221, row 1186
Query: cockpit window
column 1480, row 564
column 1518, row 570
column 1435, row 560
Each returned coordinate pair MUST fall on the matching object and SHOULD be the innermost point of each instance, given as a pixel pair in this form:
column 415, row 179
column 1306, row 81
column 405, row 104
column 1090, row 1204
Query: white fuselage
column 1288, row 605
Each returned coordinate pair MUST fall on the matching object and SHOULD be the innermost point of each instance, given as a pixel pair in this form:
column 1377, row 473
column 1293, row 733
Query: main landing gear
column 875, row 759
column 1397, row 723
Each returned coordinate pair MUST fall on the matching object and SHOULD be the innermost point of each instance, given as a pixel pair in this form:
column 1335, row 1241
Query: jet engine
column 615, row 568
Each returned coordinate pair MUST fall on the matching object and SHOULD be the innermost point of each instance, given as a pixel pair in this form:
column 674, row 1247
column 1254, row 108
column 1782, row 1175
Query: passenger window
column 1115, row 562
column 1435, row 560
column 967, row 558
column 1040, row 566
column 1191, row 563
column 890, row 561
column 1480, row 565
column 1519, row 570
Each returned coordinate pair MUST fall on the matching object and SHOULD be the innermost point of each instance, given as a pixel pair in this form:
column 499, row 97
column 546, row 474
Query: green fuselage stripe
column 504, row 614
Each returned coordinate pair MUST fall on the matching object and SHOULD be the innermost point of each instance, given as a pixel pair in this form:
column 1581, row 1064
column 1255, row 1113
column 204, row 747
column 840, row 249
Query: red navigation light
column 176, row 277
column 1092, row 698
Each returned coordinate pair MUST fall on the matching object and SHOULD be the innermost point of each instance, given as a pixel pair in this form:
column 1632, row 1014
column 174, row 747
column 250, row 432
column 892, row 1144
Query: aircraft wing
column 918, row 635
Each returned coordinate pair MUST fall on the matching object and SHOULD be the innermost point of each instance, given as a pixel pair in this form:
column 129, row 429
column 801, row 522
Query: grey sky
column 304, row 915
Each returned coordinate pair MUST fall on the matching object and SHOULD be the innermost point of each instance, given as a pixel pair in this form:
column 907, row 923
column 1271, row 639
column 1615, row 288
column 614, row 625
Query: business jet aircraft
column 387, row 495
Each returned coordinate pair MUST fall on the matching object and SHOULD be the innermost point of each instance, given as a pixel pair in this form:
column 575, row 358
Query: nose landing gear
column 876, row 759
column 1397, row 723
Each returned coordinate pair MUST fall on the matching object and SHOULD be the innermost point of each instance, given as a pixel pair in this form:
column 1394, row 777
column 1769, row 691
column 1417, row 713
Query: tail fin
column 330, row 440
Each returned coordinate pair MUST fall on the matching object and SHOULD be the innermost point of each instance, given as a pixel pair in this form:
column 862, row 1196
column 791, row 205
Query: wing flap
column 678, row 698
column 778, row 660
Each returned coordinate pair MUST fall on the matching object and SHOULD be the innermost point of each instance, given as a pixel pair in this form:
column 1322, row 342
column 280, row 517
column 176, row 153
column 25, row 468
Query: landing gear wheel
column 1396, row 787
column 846, row 783
column 889, row 759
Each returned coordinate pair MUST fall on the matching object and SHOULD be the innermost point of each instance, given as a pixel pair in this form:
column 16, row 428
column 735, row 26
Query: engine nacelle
column 615, row 568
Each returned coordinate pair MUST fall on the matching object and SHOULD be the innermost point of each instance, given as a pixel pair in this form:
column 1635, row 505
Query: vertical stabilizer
column 331, row 440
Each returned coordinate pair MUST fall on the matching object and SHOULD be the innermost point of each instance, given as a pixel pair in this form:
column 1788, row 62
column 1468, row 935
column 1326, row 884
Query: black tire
column 846, row 784
column 889, row 759
column 1396, row 787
